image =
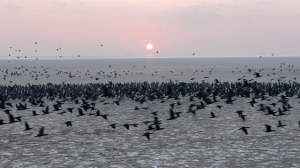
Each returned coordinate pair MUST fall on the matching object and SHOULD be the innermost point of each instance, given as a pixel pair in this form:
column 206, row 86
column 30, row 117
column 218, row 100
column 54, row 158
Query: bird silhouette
column 280, row 124
column 104, row 116
column 172, row 115
column 27, row 127
column 270, row 111
column 113, row 125
column 34, row 113
column 219, row 106
column 41, row 132
column 11, row 118
column 46, row 111
column 244, row 129
column 147, row 134
column 126, row 126
column 257, row 75
column 240, row 112
column 68, row 123
column 212, row 115
column 70, row 110
column 280, row 112
column 243, row 117
column 80, row 112
column 19, row 118
column 268, row 128
column 252, row 102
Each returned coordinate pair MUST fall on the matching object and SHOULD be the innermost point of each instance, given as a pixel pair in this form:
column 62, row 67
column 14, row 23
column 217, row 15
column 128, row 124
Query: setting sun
column 149, row 46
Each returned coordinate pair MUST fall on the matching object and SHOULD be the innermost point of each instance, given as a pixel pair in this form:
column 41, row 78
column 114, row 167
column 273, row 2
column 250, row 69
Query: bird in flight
column 147, row 134
column 244, row 129
column 41, row 132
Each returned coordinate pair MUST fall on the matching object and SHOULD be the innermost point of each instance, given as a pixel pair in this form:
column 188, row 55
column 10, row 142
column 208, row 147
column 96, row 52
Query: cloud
column 196, row 14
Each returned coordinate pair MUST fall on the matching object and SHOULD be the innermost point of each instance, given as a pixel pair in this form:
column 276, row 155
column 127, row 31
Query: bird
column 157, row 127
column 252, row 102
column 126, row 126
column 244, row 129
column 113, row 125
column 172, row 105
column 98, row 113
column 34, row 113
column 240, row 112
column 46, row 111
column 19, row 118
column 27, row 127
column 104, row 116
column 7, row 111
column 268, row 128
column 155, row 113
column 172, row 115
column 280, row 112
column 243, row 117
column 212, row 115
column 41, row 132
column 147, row 134
column 257, row 75
column 11, row 118
column 80, row 112
column 117, row 102
column 219, row 106
column 270, row 111
column 70, row 110
column 68, row 123
column 56, row 107
column 280, row 124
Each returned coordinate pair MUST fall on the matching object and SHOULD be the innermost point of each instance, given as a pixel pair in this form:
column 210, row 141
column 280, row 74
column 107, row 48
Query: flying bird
column 41, row 132
column 268, row 128
column 69, row 123
column 280, row 124
column 27, row 127
column 147, row 134
column 244, row 129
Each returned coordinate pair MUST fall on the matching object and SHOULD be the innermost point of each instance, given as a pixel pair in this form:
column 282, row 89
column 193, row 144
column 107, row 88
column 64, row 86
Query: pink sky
column 125, row 27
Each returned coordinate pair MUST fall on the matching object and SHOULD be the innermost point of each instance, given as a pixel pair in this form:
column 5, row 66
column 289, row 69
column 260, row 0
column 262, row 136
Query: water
column 189, row 141
column 151, row 69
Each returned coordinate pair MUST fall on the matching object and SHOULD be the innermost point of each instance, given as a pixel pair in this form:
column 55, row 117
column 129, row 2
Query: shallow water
column 149, row 69
column 188, row 141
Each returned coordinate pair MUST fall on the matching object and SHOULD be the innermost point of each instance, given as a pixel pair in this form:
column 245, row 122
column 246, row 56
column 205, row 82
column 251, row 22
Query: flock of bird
column 199, row 95
column 57, row 49
column 35, row 43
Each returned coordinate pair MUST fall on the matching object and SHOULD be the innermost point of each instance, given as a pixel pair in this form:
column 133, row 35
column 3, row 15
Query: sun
column 149, row 46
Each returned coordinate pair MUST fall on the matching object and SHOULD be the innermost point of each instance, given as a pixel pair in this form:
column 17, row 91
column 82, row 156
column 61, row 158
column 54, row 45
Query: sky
column 176, row 28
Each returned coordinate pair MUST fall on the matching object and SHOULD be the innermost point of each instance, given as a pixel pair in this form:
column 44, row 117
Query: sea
column 225, row 69
column 188, row 141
